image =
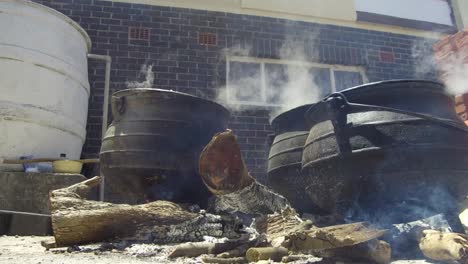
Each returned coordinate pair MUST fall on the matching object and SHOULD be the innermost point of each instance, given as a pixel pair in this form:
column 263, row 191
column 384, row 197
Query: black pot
column 155, row 139
column 385, row 143
column 284, row 160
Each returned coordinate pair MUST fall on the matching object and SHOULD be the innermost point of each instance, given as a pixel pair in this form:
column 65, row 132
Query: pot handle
column 118, row 107
column 336, row 107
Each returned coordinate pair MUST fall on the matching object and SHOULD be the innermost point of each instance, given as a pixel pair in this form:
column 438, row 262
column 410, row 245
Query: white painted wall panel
column 332, row 9
column 435, row 11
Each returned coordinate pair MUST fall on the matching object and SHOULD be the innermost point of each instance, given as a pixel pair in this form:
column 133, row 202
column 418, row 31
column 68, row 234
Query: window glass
column 276, row 78
column 321, row 79
column 265, row 82
column 245, row 82
column 344, row 79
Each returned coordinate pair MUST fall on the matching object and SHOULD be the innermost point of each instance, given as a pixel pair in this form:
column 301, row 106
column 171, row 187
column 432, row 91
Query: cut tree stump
column 76, row 220
column 224, row 173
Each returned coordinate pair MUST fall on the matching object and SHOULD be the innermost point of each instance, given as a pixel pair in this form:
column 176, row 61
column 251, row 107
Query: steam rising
column 147, row 71
column 456, row 71
column 301, row 87
column 287, row 85
column 456, row 78
column 417, row 203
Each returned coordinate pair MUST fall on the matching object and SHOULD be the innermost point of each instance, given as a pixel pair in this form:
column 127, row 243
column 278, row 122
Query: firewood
column 279, row 225
column 224, row 173
column 374, row 251
column 237, row 260
column 195, row 249
column 236, row 252
column 221, row 165
column 49, row 243
column 292, row 258
column 404, row 237
column 440, row 246
column 266, row 253
column 332, row 237
column 76, row 220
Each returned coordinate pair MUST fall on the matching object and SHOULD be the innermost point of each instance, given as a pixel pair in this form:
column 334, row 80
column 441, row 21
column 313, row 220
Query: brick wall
column 451, row 55
column 182, row 64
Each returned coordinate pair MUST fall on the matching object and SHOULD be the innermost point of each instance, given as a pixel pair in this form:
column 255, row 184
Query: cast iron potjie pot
column 284, row 159
column 383, row 144
column 151, row 149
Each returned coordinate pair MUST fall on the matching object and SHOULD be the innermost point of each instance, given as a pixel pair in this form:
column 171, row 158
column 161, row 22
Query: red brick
column 443, row 45
column 461, row 108
column 461, row 38
column 459, row 99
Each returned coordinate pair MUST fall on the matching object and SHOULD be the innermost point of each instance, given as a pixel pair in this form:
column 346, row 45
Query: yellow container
column 67, row 166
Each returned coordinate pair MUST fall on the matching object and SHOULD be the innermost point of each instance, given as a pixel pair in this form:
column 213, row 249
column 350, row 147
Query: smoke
column 415, row 203
column 146, row 71
column 423, row 60
column 301, row 87
column 453, row 71
column 455, row 75
column 287, row 85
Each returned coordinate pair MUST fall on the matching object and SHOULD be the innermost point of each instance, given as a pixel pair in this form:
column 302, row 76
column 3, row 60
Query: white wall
column 435, row 11
column 462, row 12
column 343, row 15
column 331, row 9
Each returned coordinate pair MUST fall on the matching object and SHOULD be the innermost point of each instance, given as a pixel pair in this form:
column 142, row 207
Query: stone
column 29, row 192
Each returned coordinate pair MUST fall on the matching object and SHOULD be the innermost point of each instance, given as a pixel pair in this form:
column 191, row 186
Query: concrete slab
column 29, row 192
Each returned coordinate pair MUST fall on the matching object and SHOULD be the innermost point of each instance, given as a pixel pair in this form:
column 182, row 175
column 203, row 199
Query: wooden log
column 279, row 225
column 195, row 249
column 235, row 252
column 224, row 173
column 266, row 253
column 440, row 246
column 49, row 243
column 332, row 237
column 292, row 258
column 374, row 251
column 221, row 165
column 76, row 220
column 242, row 247
column 237, row 260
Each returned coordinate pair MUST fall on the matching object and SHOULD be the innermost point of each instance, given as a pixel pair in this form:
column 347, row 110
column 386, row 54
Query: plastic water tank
column 44, row 86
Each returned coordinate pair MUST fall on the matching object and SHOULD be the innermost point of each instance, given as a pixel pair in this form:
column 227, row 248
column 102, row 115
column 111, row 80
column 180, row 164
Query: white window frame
column 331, row 67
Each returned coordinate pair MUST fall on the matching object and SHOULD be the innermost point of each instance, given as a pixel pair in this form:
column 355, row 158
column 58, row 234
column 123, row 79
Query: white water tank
column 44, row 86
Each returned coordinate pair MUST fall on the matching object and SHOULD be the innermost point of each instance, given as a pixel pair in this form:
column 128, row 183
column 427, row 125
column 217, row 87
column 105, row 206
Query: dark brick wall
column 181, row 64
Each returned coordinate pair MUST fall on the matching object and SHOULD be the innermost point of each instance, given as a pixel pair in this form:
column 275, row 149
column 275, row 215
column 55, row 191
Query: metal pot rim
column 277, row 118
column 136, row 91
column 384, row 85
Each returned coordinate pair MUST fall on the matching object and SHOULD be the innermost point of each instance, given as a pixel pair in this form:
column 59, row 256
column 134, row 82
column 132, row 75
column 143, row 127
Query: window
column 253, row 81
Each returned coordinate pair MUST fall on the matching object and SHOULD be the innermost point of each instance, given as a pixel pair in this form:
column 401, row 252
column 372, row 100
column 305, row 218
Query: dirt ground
column 28, row 249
